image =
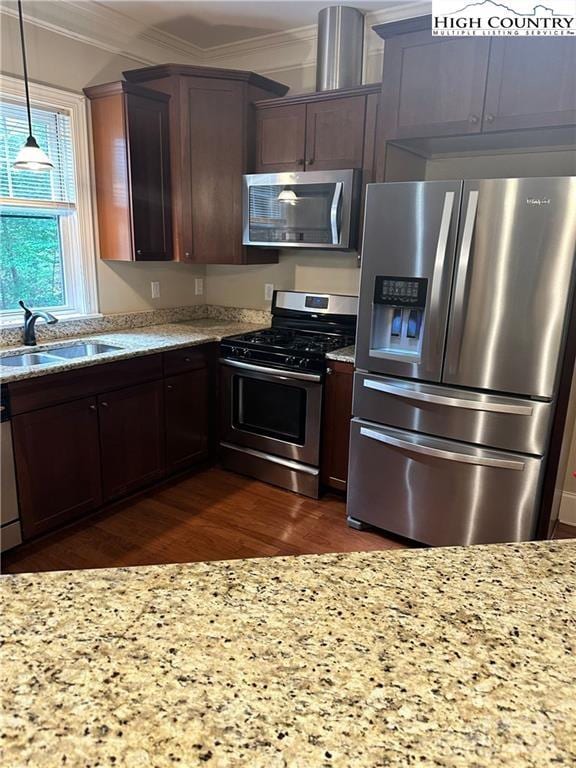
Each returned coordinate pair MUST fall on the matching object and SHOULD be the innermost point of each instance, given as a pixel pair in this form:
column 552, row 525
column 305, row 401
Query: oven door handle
column 272, row 371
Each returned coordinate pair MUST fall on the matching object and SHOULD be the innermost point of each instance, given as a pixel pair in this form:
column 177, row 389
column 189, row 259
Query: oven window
column 270, row 409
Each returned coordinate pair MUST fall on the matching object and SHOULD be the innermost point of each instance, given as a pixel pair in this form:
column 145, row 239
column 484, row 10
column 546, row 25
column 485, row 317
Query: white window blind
column 264, row 204
column 52, row 132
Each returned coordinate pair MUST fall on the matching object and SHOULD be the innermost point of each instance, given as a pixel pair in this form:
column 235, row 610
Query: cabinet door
column 335, row 134
column 57, row 464
column 433, row 86
column 336, row 425
column 131, row 438
column 149, row 177
column 531, row 84
column 187, row 413
column 280, row 138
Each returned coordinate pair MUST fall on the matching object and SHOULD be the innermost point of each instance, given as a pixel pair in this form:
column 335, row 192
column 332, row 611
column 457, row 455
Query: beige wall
column 70, row 64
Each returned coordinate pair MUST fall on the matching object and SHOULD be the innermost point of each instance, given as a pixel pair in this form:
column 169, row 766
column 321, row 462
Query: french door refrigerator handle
column 463, row 265
column 334, row 212
column 456, row 402
column 438, row 453
column 440, row 258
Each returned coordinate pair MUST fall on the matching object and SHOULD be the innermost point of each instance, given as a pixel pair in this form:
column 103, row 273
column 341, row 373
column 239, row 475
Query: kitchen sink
column 29, row 358
column 86, row 349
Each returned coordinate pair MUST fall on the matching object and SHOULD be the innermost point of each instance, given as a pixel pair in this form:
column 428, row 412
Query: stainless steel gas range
column 272, row 386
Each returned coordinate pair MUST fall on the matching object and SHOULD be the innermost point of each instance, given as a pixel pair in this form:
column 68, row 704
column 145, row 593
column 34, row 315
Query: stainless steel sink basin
column 87, row 349
column 28, row 358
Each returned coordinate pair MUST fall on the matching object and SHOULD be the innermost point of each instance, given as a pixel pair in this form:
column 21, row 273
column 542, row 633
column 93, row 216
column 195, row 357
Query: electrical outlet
column 198, row 286
column 155, row 289
column 268, row 291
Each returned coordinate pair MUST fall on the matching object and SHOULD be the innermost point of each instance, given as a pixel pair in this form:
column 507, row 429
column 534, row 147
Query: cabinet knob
column 92, row 407
column 311, row 161
column 187, row 254
column 489, row 118
column 301, row 161
column 169, row 386
column 187, row 360
column 139, row 252
column 329, row 371
column 104, row 404
column 473, row 119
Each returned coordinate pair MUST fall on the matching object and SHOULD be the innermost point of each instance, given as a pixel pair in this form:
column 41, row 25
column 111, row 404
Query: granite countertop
column 460, row 657
column 133, row 342
column 344, row 355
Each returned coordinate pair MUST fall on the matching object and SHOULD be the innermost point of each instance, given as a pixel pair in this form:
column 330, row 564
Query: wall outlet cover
column 268, row 291
column 199, row 286
column 155, row 289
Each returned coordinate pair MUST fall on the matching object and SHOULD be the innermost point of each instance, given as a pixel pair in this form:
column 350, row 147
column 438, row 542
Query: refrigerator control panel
column 400, row 291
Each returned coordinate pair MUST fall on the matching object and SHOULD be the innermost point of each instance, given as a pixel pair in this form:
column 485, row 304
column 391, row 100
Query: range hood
column 340, row 48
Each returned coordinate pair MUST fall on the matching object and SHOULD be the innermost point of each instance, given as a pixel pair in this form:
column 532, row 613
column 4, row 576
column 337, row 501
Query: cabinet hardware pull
column 187, row 254
column 473, row 119
column 301, row 161
column 490, row 118
column 311, row 161
column 139, row 252
column 187, row 360
column 169, row 386
column 329, row 371
column 104, row 404
column 92, row 407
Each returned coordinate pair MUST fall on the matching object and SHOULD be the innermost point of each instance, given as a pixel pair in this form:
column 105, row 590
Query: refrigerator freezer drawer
column 440, row 492
column 507, row 423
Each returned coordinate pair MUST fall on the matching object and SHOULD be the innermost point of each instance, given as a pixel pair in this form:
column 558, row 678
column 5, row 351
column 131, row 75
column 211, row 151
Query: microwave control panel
column 400, row 291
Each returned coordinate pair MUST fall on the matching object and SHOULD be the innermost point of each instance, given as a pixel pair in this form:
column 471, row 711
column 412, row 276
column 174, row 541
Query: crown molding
column 112, row 31
column 109, row 30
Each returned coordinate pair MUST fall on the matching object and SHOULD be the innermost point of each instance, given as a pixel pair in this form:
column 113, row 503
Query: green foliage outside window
column 30, row 261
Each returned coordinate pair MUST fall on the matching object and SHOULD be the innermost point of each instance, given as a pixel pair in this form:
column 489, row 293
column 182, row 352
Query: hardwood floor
column 212, row 515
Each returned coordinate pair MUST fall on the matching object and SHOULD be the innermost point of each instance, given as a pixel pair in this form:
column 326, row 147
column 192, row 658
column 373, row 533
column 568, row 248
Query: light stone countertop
column 344, row 355
column 134, row 342
column 453, row 657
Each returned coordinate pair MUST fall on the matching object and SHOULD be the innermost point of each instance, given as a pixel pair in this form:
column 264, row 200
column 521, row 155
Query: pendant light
column 30, row 157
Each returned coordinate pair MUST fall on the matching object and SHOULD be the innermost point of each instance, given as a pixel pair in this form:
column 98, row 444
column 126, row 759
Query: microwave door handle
column 334, row 213
column 438, row 453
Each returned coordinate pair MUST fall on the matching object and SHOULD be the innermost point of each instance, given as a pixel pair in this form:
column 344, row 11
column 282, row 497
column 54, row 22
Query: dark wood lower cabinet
column 131, row 438
column 58, row 464
column 187, row 399
column 336, row 425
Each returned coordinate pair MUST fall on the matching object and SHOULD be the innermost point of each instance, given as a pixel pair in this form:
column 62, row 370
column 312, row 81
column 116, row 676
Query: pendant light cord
column 25, row 67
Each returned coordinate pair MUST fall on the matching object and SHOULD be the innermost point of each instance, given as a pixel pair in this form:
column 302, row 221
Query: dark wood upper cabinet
column 433, row 86
column 132, row 171
column 131, row 438
column 335, row 134
column 531, row 83
column 326, row 131
column 212, row 131
column 58, row 464
column 280, row 139
column 336, row 425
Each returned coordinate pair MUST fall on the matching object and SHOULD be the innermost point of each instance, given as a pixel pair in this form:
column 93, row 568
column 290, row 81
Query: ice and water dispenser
column 398, row 317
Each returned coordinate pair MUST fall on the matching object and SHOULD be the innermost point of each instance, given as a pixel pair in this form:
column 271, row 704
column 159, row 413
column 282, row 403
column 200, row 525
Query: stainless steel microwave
column 311, row 209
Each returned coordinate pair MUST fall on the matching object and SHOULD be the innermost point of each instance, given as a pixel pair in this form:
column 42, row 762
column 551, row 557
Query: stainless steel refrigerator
column 462, row 357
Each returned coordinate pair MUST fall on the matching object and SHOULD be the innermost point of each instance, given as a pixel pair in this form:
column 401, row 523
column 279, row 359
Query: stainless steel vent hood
column 340, row 44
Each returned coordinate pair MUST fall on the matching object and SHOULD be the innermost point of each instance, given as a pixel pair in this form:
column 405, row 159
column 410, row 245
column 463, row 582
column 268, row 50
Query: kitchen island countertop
column 457, row 657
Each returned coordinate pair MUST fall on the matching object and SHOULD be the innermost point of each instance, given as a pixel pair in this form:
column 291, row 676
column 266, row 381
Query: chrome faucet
column 30, row 322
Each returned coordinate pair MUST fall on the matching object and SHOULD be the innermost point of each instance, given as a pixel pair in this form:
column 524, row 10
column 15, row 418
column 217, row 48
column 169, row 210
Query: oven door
column 276, row 412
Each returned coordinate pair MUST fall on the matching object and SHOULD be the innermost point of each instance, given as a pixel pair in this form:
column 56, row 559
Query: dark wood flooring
column 212, row 515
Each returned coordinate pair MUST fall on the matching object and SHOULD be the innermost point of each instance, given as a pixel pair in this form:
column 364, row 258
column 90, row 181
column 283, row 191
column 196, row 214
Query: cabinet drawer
column 187, row 359
column 507, row 422
column 30, row 394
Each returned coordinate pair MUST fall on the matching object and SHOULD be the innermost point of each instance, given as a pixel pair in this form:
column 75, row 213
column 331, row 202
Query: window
column 46, row 236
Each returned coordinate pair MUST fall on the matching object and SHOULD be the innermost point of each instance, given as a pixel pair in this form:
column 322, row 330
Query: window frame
column 77, row 231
